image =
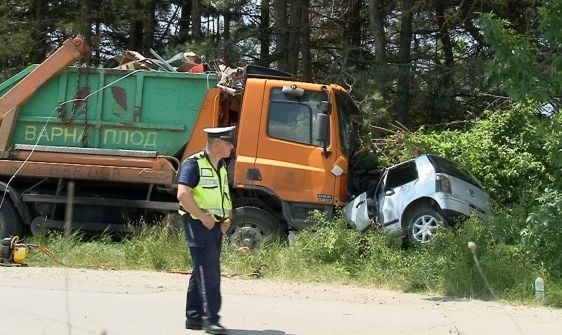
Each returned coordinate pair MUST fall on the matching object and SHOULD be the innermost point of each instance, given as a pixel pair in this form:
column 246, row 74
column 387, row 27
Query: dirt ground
column 83, row 301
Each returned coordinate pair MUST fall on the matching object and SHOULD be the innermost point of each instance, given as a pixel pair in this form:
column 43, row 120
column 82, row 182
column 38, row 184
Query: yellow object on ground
column 20, row 253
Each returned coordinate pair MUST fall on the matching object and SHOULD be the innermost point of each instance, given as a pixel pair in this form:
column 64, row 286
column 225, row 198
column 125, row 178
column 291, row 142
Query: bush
column 502, row 151
column 542, row 234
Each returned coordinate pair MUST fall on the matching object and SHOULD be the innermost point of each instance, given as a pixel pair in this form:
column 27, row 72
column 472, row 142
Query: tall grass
column 332, row 253
column 154, row 247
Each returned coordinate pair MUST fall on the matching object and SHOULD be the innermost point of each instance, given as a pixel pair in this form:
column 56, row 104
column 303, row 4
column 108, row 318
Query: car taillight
column 442, row 184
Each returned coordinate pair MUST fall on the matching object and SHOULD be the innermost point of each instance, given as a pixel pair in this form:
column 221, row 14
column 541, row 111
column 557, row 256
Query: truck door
column 290, row 158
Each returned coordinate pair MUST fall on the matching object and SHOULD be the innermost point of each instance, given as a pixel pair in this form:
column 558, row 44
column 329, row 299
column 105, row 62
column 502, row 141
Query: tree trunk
column 377, row 13
column 352, row 31
column 135, row 25
column 403, row 90
column 38, row 31
column 85, row 21
column 196, row 19
column 445, row 73
column 230, row 56
column 149, row 24
column 85, row 26
column 264, row 33
column 226, row 31
column 306, row 56
column 294, row 37
column 95, row 53
column 281, row 34
column 183, row 23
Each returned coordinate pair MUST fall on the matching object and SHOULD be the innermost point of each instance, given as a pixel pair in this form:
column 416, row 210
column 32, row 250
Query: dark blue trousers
column 204, row 291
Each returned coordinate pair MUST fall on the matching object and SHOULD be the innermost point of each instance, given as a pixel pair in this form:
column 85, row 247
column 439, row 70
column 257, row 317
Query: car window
column 400, row 175
column 445, row 166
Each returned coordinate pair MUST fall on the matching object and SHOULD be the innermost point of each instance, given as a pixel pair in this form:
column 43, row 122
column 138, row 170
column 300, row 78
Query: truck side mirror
column 323, row 124
column 323, row 128
column 325, row 107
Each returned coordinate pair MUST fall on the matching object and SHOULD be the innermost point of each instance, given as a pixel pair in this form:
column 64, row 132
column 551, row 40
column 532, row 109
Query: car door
column 357, row 213
column 394, row 193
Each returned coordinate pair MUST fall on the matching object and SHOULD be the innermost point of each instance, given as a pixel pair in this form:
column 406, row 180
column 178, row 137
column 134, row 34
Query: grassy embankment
column 334, row 253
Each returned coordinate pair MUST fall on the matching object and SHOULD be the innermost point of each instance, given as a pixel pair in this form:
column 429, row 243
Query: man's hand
column 208, row 221
column 225, row 226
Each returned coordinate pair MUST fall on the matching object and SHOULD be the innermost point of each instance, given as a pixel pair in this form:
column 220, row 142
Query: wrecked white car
column 417, row 197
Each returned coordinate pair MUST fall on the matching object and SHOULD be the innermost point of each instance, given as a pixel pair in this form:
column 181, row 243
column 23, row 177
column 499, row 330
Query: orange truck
column 120, row 136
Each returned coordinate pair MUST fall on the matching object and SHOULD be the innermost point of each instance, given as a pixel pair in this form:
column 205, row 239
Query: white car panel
column 356, row 213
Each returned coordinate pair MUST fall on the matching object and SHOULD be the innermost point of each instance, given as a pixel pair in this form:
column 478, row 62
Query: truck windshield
column 348, row 116
column 294, row 117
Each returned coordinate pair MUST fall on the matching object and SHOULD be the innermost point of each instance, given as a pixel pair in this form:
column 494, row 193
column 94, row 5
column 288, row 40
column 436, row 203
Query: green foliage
column 158, row 247
column 502, row 151
column 520, row 67
column 328, row 241
column 505, row 263
column 543, row 232
column 153, row 246
column 550, row 23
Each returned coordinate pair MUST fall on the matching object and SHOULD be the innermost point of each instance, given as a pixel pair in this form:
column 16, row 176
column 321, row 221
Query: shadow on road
column 255, row 332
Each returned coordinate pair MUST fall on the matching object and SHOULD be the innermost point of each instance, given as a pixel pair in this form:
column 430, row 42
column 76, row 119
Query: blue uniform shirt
column 189, row 173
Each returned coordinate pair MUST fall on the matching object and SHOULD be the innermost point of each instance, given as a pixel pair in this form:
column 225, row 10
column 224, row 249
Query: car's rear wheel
column 423, row 223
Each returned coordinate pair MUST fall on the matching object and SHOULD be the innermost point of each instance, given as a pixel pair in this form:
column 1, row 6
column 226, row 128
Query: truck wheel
column 251, row 226
column 423, row 224
column 37, row 228
column 173, row 221
column 10, row 222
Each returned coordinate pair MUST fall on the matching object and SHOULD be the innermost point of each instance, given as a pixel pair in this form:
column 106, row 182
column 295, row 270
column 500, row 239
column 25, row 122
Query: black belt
column 218, row 219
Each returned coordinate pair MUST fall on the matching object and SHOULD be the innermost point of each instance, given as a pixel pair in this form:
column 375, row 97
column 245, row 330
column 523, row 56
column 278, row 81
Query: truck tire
column 251, row 226
column 173, row 221
column 10, row 222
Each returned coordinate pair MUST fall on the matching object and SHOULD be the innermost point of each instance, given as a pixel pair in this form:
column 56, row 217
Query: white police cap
column 224, row 133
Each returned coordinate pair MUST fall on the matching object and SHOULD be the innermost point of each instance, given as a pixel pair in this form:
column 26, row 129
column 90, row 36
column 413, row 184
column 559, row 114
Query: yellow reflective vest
column 211, row 194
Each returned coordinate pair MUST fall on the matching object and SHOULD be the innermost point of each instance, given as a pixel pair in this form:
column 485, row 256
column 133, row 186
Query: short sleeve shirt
column 189, row 173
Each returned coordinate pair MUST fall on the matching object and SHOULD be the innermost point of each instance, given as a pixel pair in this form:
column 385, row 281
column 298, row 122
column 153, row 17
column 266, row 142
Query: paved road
column 76, row 301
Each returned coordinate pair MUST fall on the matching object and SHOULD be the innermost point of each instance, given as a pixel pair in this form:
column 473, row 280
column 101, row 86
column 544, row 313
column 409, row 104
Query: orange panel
column 295, row 172
column 161, row 173
column 82, row 159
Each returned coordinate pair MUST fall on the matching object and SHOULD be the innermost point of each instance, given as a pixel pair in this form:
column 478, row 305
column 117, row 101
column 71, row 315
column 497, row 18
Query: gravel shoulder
column 83, row 301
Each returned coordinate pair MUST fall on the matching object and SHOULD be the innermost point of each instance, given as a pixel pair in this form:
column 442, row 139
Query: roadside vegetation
column 333, row 253
column 515, row 152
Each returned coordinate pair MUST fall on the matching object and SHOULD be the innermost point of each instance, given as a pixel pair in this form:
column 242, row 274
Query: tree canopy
column 415, row 62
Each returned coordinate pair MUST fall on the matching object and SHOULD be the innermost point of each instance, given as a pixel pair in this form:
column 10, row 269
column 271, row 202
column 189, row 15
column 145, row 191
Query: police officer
column 206, row 207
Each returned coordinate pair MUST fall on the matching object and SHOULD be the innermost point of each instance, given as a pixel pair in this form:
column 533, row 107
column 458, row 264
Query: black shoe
column 193, row 324
column 216, row 329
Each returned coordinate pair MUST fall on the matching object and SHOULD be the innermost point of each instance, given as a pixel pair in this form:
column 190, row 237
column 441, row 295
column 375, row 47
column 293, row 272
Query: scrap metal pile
column 228, row 77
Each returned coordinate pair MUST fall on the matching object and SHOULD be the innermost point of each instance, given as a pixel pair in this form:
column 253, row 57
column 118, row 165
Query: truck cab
column 292, row 155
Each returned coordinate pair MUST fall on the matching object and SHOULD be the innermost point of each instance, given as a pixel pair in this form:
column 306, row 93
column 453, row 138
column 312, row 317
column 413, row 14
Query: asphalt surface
column 79, row 301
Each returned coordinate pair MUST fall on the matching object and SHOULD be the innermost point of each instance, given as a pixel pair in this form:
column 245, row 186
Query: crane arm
column 71, row 51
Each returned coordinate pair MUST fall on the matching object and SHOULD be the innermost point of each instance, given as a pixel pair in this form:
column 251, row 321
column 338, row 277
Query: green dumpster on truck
column 111, row 109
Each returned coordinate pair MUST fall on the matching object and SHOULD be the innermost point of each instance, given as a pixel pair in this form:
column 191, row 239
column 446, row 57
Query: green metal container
column 112, row 109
